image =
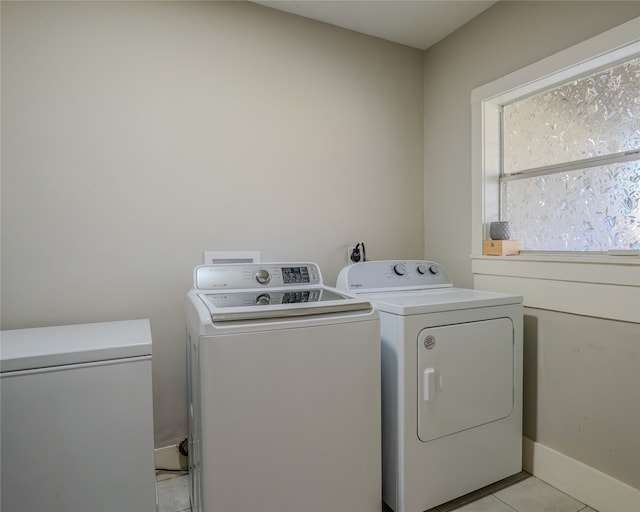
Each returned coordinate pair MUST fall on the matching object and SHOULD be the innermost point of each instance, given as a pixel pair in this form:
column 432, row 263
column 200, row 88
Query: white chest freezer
column 77, row 418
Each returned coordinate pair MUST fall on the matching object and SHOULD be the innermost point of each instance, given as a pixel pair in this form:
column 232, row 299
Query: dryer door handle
column 428, row 384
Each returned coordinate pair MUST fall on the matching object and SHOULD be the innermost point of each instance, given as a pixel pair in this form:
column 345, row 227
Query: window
column 570, row 164
column 556, row 148
column 586, row 282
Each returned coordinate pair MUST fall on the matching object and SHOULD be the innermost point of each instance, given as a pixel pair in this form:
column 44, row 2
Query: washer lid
column 280, row 303
column 42, row 347
column 434, row 300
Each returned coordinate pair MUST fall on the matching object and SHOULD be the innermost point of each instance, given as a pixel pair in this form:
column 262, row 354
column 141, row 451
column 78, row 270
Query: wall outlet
column 349, row 260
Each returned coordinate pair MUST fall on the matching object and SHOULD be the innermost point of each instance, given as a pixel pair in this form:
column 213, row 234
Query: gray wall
column 136, row 135
column 582, row 390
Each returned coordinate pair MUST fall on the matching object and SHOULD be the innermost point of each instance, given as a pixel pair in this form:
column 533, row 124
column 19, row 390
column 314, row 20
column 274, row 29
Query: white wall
column 136, row 135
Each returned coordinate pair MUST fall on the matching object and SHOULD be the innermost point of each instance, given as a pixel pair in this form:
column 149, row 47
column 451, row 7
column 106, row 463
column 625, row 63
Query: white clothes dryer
column 451, row 381
column 283, row 392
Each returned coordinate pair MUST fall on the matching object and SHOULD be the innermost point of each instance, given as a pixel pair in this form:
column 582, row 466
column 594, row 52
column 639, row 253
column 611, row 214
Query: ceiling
column 416, row 23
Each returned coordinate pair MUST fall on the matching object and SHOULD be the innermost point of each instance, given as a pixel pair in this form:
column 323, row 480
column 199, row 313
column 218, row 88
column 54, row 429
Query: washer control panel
column 240, row 276
column 393, row 274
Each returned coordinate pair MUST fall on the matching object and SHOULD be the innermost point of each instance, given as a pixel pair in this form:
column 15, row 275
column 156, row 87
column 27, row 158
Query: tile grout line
column 507, row 504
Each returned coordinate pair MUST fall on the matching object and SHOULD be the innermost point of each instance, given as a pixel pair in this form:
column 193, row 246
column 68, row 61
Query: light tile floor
column 519, row 493
column 173, row 493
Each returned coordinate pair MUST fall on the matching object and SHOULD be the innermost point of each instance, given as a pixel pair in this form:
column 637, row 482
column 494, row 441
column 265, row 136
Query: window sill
column 599, row 285
column 600, row 269
column 577, row 258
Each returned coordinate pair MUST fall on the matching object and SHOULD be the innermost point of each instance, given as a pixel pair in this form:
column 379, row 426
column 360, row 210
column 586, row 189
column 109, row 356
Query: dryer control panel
column 389, row 275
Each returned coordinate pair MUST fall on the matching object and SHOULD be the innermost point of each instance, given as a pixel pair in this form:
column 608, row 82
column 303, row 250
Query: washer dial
column 263, row 299
column 263, row 276
column 400, row 269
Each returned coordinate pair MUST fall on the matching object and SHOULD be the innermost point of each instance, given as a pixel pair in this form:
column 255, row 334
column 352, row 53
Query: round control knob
column 263, row 300
column 263, row 276
column 422, row 269
column 434, row 269
column 400, row 269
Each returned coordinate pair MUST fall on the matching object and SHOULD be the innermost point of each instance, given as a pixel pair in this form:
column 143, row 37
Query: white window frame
column 618, row 277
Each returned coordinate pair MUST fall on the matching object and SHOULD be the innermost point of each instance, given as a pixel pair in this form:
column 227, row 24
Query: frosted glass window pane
column 593, row 116
column 585, row 210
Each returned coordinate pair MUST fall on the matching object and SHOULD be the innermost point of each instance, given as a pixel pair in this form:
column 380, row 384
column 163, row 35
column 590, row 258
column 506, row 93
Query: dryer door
column 465, row 376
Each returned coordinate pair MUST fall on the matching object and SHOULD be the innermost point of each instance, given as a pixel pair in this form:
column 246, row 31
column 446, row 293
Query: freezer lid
column 42, row 347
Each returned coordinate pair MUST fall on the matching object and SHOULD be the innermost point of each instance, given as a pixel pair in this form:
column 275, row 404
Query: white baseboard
column 168, row 457
column 595, row 488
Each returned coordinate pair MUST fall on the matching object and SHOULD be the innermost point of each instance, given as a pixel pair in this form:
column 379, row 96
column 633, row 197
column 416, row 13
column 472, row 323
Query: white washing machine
column 451, row 382
column 283, row 392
